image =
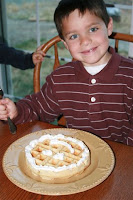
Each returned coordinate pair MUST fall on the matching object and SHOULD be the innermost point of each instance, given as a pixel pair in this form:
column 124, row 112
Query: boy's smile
column 86, row 37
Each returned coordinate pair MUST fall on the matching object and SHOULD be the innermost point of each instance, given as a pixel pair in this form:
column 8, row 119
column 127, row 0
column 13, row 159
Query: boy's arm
column 7, row 109
column 130, row 137
column 41, row 106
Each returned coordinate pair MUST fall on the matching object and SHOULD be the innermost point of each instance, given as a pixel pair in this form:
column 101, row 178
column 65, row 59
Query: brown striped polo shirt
column 101, row 104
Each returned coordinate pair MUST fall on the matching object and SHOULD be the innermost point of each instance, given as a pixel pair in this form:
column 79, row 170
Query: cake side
column 56, row 157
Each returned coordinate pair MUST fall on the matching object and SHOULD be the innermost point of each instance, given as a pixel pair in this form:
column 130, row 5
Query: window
column 30, row 23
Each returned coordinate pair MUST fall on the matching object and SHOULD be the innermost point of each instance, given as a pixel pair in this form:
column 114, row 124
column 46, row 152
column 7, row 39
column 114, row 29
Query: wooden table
column 118, row 186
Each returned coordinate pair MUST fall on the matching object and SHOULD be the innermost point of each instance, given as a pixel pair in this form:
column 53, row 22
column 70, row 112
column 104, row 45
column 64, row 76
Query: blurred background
column 26, row 24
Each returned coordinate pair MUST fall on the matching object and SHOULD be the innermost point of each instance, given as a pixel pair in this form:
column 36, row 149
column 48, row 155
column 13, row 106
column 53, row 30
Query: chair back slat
column 56, row 62
column 37, row 68
column 116, row 45
column 120, row 36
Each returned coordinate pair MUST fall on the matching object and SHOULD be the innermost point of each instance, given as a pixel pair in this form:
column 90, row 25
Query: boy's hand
column 38, row 56
column 7, row 109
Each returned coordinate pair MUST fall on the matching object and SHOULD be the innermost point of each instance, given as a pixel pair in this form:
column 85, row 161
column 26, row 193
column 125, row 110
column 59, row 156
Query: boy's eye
column 73, row 36
column 93, row 29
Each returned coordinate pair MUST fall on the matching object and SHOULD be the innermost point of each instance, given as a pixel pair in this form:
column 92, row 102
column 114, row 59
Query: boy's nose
column 86, row 40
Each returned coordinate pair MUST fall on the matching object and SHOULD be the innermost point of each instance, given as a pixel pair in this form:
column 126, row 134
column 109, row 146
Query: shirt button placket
column 93, row 99
column 93, row 81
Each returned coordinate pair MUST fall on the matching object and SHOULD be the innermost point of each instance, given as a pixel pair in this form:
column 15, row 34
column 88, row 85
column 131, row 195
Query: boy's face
column 86, row 37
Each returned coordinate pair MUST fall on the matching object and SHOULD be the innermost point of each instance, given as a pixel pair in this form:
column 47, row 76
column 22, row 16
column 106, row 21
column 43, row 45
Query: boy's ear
column 110, row 26
column 65, row 44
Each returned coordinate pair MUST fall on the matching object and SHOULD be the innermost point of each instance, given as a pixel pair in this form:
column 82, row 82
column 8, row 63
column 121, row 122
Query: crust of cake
column 57, row 176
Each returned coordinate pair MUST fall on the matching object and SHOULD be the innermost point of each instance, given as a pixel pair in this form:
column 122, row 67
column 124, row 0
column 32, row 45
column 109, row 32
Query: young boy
column 95, row 92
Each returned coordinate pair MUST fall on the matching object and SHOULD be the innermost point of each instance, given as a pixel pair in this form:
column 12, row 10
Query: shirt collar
column 106, row 74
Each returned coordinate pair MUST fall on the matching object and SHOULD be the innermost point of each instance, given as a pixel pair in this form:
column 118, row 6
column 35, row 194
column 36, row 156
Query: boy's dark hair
column 65, row 7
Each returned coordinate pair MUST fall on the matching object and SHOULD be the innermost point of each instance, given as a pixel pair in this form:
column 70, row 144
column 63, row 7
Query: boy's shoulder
column 67, row 68
column 126, row 67
column 127, row 61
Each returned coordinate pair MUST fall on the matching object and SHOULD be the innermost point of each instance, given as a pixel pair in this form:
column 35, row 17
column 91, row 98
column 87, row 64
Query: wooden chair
column 53, row 42
column 120, row 36
column 36, row 78
column 45, row 48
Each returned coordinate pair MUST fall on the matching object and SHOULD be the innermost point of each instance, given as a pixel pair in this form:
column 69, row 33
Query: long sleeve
column 16, row 58
column 130, row 138
column 41, row 106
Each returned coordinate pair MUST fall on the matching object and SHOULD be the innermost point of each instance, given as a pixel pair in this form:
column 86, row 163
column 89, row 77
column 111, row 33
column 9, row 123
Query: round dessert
column 56, row 157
